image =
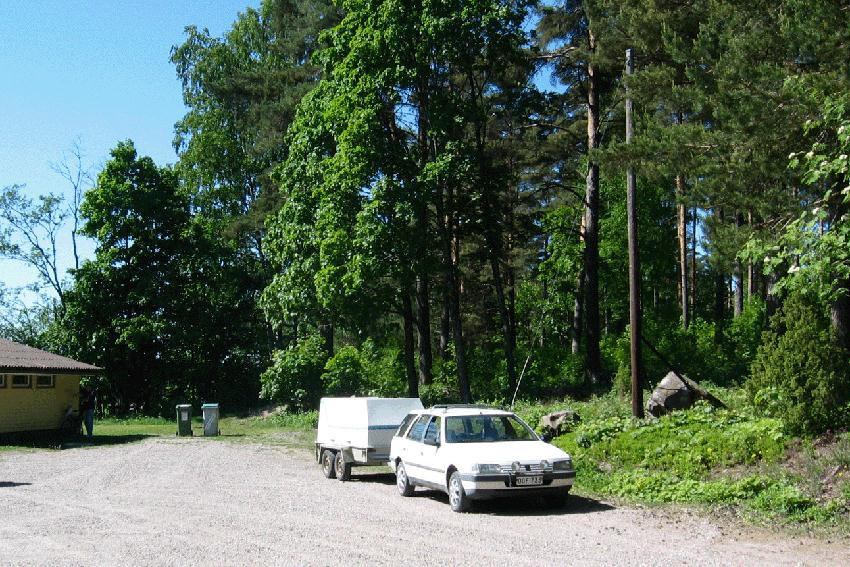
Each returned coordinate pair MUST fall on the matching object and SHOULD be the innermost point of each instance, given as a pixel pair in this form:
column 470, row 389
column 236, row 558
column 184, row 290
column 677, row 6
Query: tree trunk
column 682, row 228
column 591, row 229
column 457, row 323
column 719, row 286
column 409, row 356
column 578, row 322
column 840, row 308
column 578, row 304
column 682, row 231
column 423, row 309
column 752, row 277
column 840, row 317
column 423, row 328
column 738, row 275
column 445, row 321
column 508, row 339
column 326, row 331
column 719, row 297
column 773, row 300
column 694, row 218
column 451, row 254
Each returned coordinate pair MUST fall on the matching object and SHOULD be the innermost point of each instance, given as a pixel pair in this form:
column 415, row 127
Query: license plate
column 529, row 480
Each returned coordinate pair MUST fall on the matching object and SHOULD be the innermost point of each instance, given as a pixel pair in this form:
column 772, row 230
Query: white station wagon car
column 473, row 453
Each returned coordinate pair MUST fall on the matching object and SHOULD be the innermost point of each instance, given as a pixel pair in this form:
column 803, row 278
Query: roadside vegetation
column 728, row 458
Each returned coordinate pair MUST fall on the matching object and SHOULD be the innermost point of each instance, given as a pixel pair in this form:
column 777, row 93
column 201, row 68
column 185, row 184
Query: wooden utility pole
column 634, row 262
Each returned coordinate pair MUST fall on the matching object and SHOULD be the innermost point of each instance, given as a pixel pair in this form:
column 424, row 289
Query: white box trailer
column 358, row 432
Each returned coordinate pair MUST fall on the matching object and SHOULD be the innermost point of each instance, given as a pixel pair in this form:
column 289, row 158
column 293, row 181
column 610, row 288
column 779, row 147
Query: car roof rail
column 463, row 406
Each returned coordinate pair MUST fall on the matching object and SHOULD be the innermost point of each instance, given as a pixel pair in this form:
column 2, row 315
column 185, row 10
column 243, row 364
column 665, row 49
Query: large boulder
column 676, row 392
column 557, row 422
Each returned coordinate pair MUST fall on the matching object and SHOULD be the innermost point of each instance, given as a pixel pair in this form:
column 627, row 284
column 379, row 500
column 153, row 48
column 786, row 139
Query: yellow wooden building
column 37, row 387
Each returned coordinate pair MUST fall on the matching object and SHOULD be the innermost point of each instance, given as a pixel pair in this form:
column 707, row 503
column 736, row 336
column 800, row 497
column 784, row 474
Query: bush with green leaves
column 383, row 370
column 800, row 373
column 366, row 371
column 343, row 374
column 294, row 377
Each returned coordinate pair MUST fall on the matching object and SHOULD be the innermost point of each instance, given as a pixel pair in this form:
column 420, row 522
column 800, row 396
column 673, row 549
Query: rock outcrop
column 557, row 422
column 676, row 392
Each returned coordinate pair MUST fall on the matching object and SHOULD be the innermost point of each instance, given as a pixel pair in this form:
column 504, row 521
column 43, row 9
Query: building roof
column 15, row 357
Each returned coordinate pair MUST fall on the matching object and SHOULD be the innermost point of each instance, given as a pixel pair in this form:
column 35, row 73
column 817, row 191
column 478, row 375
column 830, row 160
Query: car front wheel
column 457, row 497
column 405, row 488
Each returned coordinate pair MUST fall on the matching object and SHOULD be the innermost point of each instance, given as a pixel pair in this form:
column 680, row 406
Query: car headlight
column 486, row 468
column 564, row 465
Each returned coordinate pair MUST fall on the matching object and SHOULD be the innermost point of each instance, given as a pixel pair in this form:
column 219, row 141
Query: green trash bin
column 210, row 412
column 184, row 420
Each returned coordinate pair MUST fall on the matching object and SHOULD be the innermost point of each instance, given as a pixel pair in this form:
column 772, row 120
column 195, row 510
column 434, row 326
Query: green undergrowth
column 703, row 456
column 294, row 430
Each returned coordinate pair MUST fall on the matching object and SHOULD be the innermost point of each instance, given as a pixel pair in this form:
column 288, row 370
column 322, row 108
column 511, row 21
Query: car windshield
column 486, row 429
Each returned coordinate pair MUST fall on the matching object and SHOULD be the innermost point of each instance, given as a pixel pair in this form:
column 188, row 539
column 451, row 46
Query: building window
column 21, row 381
column 2, row 380
column 44, row 381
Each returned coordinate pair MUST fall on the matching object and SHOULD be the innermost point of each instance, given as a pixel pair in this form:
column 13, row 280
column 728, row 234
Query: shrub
column 744, row 334
column 294, row 378
column 800, row 372
column 343, row 374
column 444, row 386
column 303, row 421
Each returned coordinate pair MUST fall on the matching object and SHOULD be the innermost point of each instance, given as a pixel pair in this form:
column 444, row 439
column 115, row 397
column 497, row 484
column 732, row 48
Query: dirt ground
column 212, row 502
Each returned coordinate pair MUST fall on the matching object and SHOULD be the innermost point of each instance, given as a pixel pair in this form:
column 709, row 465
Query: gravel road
column 213, row 502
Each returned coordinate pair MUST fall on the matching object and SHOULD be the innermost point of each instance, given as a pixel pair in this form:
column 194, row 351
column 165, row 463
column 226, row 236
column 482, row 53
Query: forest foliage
column 428, row 198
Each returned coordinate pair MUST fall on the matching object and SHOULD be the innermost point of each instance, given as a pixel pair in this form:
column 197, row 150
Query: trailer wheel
column 341, row 468
column 402, row 481
column 327, row 460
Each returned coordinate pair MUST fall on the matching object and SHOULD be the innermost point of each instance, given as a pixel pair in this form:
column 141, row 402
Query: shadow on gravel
column 526, row 506
column 373, row 478
column 53, row 440
column 13, row 484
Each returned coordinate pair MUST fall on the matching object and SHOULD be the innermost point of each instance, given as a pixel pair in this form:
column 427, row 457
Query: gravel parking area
column 213, row 502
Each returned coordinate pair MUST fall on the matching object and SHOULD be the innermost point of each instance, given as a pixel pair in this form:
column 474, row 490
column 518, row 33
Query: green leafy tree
column 155, row 307
column 389, row 137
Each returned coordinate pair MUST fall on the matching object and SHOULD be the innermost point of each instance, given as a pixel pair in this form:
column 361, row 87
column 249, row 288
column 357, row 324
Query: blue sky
column 96, row 71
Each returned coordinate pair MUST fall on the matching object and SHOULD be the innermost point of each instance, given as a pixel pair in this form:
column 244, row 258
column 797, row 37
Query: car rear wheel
column 402, row 482
column 458, row 499
column 328, row 466
column 343, row 469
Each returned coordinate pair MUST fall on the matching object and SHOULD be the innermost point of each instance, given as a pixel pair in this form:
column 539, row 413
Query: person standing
column 87, row 401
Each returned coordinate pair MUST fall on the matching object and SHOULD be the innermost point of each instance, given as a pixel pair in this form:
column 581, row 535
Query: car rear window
column 433, row 431
column 405, row 423
column 418, row 428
